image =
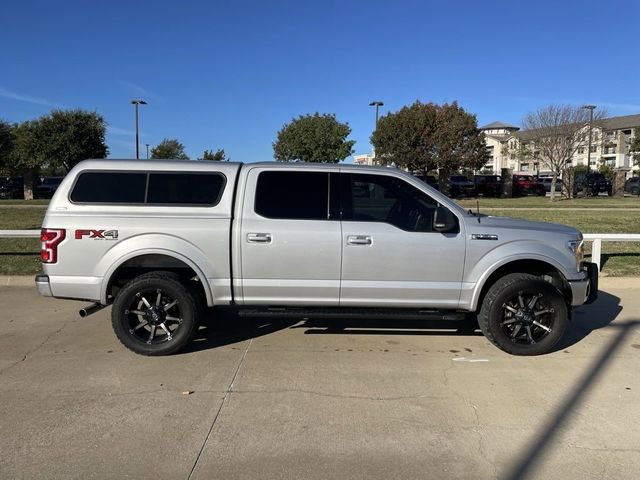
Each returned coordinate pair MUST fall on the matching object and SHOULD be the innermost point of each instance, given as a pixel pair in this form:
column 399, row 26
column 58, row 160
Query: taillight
column 50, row 238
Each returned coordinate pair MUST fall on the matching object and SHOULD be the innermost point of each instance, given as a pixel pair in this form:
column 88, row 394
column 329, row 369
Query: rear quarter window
column 185, row 189
column 109, row 187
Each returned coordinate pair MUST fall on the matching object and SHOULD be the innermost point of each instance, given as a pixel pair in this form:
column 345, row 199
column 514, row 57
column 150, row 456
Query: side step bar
column 347, row 313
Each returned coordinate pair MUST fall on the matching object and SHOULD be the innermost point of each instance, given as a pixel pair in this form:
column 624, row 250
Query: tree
column 72, row 136
column 6, row 143
column 28, row 153
column 217, row 156
column 557, row 132
column 634, row 148
column 313, row 138
column 423, row 137
column 169, row 148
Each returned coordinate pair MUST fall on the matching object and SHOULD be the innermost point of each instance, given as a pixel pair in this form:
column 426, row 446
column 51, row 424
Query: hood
column 517, row 224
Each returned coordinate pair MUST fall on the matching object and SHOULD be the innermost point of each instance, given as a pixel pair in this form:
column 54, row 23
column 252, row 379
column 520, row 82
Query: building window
column 594, row 148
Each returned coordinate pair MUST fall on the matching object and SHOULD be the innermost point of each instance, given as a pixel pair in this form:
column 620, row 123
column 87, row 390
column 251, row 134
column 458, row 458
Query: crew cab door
column 290, row 243
column 392, row 255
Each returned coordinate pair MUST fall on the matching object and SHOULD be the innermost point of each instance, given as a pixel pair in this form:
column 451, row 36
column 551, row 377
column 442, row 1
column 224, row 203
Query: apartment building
column 611, row 139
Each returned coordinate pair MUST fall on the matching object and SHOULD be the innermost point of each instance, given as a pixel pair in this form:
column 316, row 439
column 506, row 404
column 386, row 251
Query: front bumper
column 585, row 291
column 43, row 285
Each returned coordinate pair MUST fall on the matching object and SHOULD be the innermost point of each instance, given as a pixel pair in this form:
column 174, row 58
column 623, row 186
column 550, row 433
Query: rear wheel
column 155, row 314
column 523, row 315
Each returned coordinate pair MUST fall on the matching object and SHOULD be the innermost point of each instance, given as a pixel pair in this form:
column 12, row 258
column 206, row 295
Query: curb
column 17, row 280
column 607, row 282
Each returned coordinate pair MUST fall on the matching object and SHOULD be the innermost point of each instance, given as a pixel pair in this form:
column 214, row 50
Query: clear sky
column 229, row 74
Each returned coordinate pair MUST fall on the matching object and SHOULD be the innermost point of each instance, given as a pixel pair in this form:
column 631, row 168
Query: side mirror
column 444, row 221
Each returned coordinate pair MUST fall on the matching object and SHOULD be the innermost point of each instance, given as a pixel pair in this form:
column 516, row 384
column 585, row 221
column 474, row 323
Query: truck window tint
column 381, row 198
column 293, row 195
column 185, row 188
column 109, row 187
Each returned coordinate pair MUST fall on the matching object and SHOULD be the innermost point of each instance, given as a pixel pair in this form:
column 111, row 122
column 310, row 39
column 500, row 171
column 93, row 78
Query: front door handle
column 359, row 240
column 259, row 237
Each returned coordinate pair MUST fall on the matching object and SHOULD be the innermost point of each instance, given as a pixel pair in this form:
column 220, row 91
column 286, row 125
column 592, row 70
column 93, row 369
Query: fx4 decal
column 97, row 234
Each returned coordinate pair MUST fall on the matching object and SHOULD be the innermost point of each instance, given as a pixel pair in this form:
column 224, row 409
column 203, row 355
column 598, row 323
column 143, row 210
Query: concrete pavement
column 317, row 399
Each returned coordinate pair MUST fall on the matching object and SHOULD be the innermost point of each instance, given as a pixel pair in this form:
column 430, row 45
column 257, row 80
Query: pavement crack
column 227, row 394
column 334, row 395
column 35, row 349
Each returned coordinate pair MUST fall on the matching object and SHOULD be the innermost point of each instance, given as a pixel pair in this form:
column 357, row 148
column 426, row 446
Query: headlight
column 577, row 247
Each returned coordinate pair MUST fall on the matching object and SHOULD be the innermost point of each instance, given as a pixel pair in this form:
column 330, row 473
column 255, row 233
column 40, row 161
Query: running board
column 346, row 313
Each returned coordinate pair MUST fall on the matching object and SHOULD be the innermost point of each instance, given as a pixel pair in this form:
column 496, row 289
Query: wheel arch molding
column 163, row 245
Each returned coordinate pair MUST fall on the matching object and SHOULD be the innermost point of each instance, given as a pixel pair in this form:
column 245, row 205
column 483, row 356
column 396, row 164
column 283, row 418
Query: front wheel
column 523, row 315
column 154, row 314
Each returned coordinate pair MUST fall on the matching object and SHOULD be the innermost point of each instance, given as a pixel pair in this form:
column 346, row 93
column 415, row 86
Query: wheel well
column 533, row 267
column 134, row 267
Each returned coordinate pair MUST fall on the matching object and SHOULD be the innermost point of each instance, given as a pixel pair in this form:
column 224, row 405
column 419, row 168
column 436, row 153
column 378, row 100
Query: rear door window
column 293, row 195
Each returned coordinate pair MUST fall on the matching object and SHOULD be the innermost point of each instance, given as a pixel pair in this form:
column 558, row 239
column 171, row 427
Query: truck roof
column 207, row 165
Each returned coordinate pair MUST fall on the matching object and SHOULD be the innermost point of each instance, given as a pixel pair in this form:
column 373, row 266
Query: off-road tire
column 168, row 287
column 497, row 327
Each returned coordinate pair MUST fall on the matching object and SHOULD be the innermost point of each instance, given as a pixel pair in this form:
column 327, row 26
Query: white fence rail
column 19, row 233
column 596, row 238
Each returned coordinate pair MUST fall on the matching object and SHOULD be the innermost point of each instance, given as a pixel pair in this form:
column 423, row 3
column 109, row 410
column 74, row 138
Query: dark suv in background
column 488, row 185
column 461, row 186
column 11, row 187
column 632, row 186
column 591, row 184
column 47, row 187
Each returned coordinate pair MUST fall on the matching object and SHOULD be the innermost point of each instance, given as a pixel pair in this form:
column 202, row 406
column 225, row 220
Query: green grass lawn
column 21, row 256
column 24, row 202
column 545, row 202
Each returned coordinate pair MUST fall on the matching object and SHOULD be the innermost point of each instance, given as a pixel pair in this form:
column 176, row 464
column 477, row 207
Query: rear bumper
column 585, row 291
column 43, row 285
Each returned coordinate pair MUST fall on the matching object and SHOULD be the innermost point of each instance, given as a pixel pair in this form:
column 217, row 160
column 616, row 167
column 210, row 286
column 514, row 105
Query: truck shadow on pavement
column 534, row 452
column 223, row 327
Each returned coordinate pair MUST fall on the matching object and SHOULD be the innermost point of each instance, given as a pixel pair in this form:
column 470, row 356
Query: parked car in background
column 488, row 185
column 632, row 186
column 430, row 180
column 588, row 184
column 461, row 186
column 527, row 185
column 11, row 187
column 47, row 187
column 546, row 183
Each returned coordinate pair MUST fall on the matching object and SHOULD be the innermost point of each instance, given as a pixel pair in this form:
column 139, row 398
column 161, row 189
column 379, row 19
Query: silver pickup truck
column 162, row 240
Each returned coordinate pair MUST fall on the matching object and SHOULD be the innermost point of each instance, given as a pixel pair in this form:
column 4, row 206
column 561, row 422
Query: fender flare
column 480, row 283
column 196, row 260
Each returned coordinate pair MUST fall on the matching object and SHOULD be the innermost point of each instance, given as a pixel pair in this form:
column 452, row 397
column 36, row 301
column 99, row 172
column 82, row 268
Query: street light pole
column 590, row 108
column 377, row 104
column 136, row 103
column 147, row 145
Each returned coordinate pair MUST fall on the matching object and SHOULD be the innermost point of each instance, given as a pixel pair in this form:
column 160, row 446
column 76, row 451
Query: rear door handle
column 359, row 240
column 259, row 237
